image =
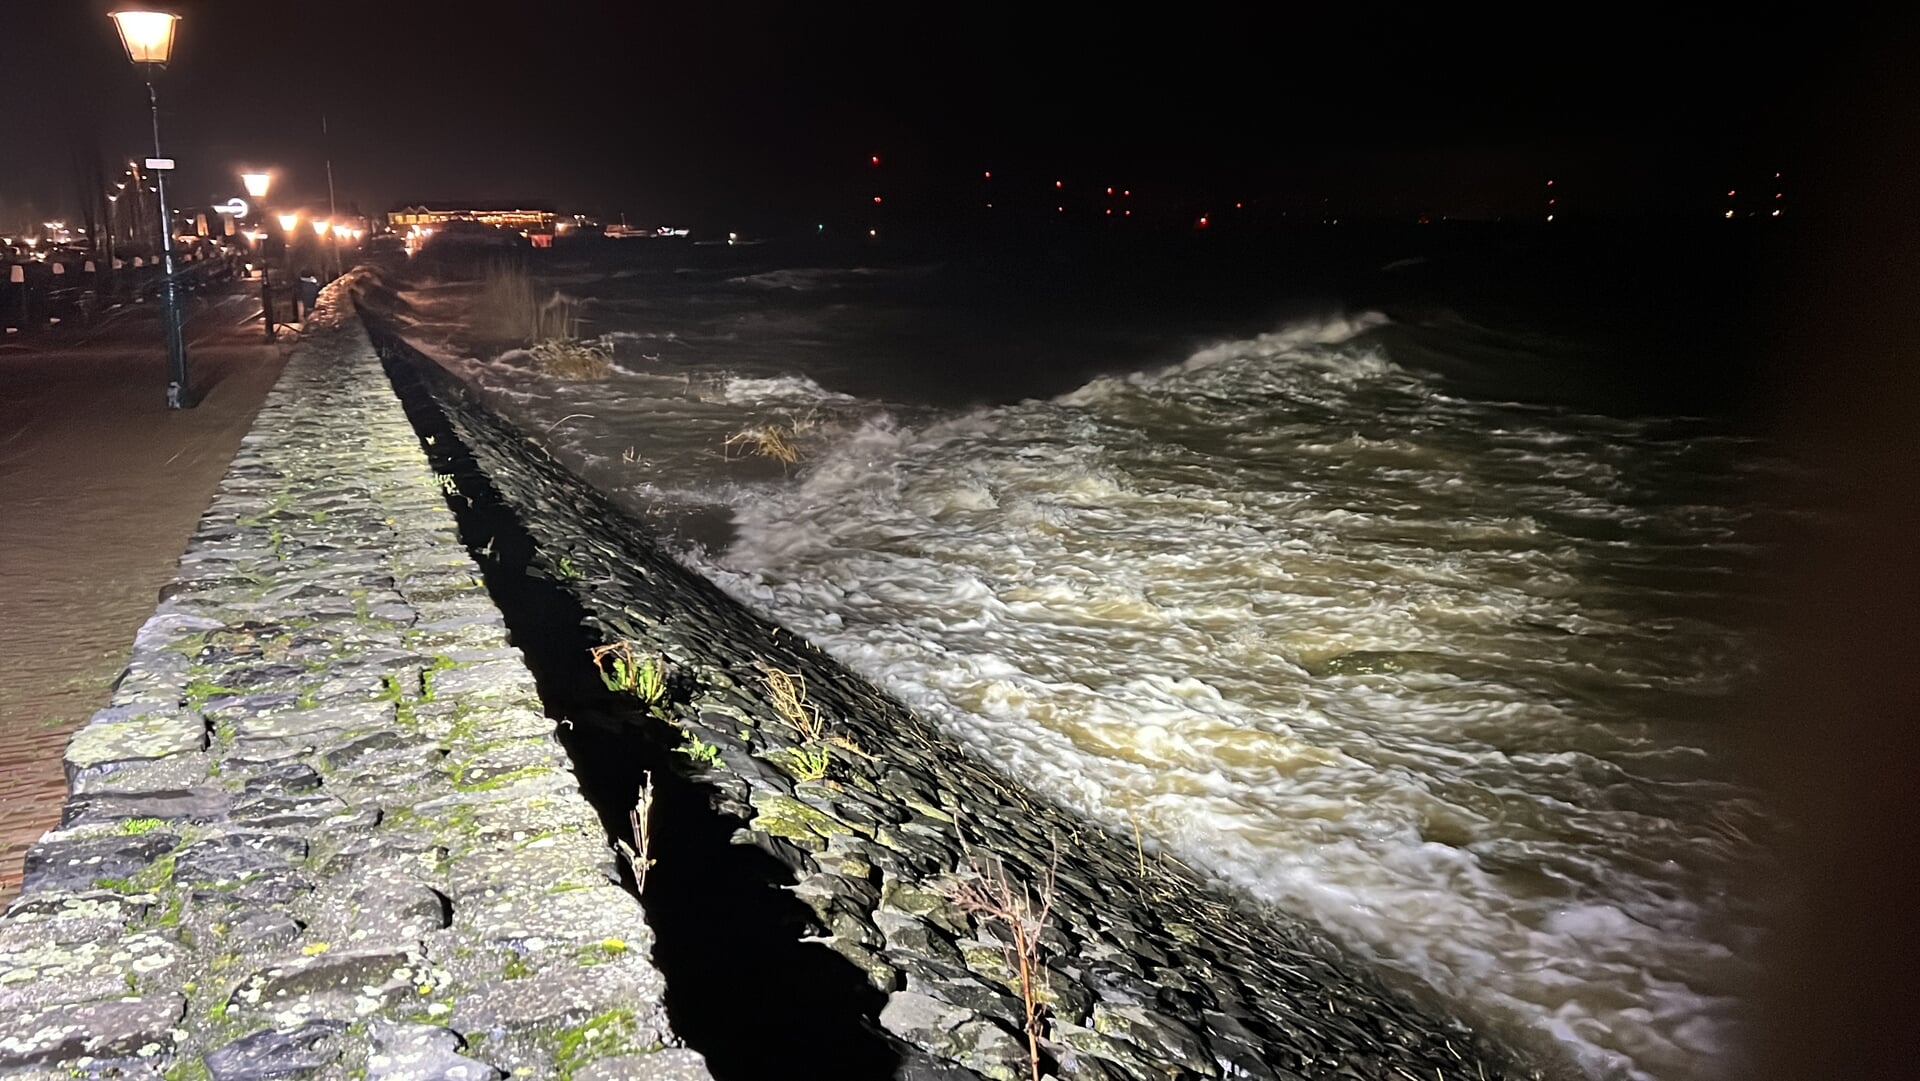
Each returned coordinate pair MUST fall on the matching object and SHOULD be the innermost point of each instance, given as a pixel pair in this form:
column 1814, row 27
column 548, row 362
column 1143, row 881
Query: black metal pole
column 179, row 394
column 266, row 289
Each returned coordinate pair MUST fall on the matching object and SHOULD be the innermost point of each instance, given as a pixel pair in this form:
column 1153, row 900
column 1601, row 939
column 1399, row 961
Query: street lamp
column 148, row 37
column 324, row 229
column 257, row 185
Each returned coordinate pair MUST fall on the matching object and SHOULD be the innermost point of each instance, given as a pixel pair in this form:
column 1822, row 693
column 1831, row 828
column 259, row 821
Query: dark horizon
column 773, row 110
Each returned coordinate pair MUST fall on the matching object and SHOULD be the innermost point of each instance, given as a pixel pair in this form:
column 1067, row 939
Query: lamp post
column 257, row 185
column 148, row 37
column 113, row 222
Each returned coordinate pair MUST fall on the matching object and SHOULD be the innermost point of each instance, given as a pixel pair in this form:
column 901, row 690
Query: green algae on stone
column 788, row 818
column 601, row 1036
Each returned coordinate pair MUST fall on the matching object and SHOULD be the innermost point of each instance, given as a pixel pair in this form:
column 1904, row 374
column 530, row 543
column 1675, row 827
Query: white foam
column 752, row 390
column 1121, row 597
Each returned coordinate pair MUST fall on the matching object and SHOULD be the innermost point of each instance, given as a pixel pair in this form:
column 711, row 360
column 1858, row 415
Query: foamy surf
column 1386, row 679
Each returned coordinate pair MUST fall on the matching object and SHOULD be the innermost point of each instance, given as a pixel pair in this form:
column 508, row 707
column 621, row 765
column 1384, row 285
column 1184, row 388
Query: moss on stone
column 188, row 1069
column 784, row 816
column 148, row 879
column 601, row 1036
column 199, row 690
column 497, row 780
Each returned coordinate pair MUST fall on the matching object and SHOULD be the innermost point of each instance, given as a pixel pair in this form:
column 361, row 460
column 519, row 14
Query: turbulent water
column 1457, row 678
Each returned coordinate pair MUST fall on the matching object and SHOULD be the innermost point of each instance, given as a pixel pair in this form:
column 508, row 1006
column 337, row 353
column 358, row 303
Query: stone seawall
column 324, row 829
column 879, row 823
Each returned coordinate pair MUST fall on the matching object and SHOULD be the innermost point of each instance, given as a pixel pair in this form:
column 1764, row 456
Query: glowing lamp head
column 288, row 221
column 147, row 35
column 320, row 226
column 257, row 184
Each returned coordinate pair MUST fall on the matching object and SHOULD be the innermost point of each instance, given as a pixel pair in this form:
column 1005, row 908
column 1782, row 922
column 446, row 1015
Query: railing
column 36, row 296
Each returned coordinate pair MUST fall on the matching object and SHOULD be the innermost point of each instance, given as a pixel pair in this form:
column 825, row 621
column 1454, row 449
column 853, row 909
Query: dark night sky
column 671, row 111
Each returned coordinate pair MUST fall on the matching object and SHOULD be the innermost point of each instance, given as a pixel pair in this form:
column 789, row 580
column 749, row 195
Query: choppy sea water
column 1457, row 678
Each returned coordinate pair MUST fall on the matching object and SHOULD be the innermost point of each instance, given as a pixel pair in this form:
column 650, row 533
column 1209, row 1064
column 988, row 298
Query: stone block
column 275, row 1054
column 62, row 862
column 118, row 1029
column 102, row 745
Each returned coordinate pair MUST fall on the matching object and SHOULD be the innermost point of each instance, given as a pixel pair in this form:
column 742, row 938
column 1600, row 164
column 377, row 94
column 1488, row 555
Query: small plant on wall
column 642, row 675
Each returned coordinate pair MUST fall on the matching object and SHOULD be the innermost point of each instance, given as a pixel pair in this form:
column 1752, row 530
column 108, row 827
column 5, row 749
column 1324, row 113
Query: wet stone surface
column 324, row 802
column 1145, row 972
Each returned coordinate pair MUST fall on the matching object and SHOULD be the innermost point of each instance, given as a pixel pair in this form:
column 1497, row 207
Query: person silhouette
column 306, row 293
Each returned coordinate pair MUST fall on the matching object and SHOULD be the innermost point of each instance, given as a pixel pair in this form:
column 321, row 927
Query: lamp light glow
column 147, row 35
column 288, row 221
column 320, row 226
column 257, row 184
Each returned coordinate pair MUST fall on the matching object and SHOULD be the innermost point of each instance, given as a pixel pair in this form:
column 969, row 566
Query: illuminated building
column 418, row 223
column 426, row 217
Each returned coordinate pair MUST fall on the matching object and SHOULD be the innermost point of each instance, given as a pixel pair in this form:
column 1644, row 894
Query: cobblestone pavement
column 324, row 829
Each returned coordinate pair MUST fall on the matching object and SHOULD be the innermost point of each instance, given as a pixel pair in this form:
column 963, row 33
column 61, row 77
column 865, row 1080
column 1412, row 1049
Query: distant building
column 426, row 217
column 417, row 223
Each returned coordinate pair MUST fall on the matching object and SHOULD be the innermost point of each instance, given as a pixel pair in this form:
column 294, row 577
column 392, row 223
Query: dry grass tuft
column 570, row 360
column 788, row 693
column 766, row 441
column 813, row 756
column 639, row 854
column 511, row 305
column 986, row 891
